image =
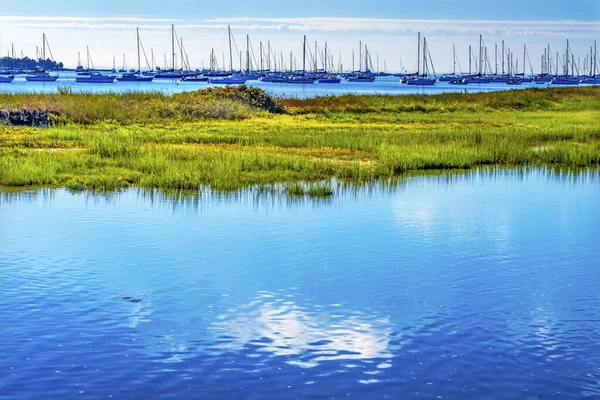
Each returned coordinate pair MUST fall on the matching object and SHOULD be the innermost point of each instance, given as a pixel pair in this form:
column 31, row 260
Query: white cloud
column 314, row 24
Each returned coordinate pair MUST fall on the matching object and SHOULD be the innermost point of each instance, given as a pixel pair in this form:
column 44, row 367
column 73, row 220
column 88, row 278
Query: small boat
column 273, row 78
column 330, row 79
column 361, row 78
column 591, row 80
column 514, row 82
column 95, row 78
column 170, row 75
column 231, row 80
column 199, row 79
column 459, row 82
column 479, row 79
column 217, row 74
column 135, row 78
column 566, row 80
column 7, row 79
column 251, row 77
column 41, row 76
column 300, row 80
column 450, row 78
column 421, row 82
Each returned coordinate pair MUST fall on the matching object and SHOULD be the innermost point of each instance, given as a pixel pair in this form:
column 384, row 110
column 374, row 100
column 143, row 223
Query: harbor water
column 478, row 285
column 382, row 85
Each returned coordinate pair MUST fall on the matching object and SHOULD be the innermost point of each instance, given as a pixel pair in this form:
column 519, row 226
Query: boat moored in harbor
column 7, row 79
column 41, row 75
column 136, row 76
column 96, row 77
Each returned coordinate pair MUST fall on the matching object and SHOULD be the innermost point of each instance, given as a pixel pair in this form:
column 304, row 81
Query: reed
column 232, row 139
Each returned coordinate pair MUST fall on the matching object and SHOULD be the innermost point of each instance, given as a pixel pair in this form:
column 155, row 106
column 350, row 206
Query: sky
column 388, row 27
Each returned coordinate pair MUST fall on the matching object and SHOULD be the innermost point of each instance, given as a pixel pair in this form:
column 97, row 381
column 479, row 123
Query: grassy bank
column 233, row 138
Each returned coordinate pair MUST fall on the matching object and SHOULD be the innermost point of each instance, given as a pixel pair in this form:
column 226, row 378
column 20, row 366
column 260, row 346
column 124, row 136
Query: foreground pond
column 484, row 285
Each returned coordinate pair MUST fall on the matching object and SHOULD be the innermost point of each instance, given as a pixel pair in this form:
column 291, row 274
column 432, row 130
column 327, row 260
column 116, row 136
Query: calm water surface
column 484, row 285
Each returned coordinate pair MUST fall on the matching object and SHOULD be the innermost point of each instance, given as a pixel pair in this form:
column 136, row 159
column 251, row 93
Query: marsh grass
column 233, row 103
column 319, row 190
column 108, row 142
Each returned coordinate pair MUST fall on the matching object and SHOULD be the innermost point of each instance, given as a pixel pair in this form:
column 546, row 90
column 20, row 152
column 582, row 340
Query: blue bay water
column 480, row 285
column 382, row 85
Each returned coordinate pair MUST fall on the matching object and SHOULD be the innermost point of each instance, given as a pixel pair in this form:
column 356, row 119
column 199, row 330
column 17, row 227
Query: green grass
column 233, row 138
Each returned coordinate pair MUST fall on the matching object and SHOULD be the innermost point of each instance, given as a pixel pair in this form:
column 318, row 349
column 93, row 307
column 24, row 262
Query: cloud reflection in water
column 307, row 336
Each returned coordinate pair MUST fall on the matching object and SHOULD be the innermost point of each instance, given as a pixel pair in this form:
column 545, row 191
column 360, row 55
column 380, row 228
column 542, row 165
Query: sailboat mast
column 496, row 59
column 549, row 65
column 87, row 49
column 567, row 59
column 316, row 58
column 173, row 47
column 595, row 58
column 454, row 58
column 137, row 31
column 261, row 57
column 359, row 56
column 480, row 54
column 419, row 53
column 181, row 51
column 470, row 62
column 424, row 57
column 325, row 60
column 43, row 51
column 230, row 50
column 247, row 54
column 524, row 57
column 503, row 57
column 304, row 56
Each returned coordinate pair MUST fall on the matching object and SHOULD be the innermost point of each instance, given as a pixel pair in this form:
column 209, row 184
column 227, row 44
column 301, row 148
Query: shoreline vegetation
column 232, row 138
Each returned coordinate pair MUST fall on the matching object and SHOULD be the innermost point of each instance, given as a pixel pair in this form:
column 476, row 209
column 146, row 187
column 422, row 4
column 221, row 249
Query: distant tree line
column 27, row 63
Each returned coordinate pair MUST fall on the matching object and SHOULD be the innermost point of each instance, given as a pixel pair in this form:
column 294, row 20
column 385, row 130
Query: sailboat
column 360, row 76
column 422, row 79
column 231, row 78
column 328, row 78
column 452, row 77
column 480, row 77
column 249, row 75
column 93, row 77
column 301, row 78
column 567, row 79
column 41, row 75
column 7, row 79
column 172, row 73
column 124, row 67
column 137, row 76
column 79, row 68
column 151, row 72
